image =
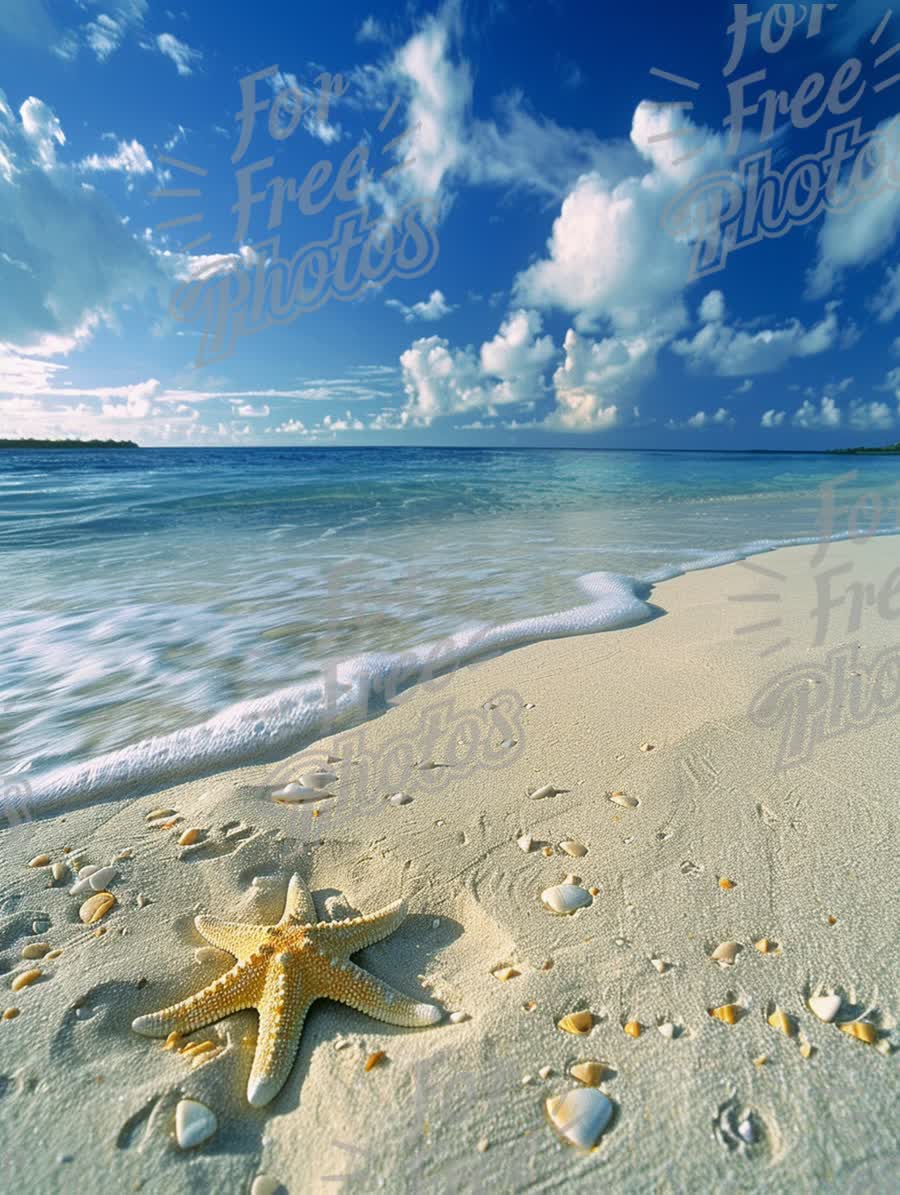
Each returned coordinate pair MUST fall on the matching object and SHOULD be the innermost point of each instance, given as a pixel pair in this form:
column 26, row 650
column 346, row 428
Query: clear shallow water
column 146, row 591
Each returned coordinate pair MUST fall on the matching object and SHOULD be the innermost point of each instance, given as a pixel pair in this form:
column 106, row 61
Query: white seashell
column 297, row 792
column 318, row 779
column 624, row 800
column 573, row 848
column 580, row 1116
column 400, row 799
column 457, row 1018
column 565, row 898
column 509, row 743
column 667, row 1029
column 661, row 965
column 571, row 879
column 100, row 878
column 526, row 842
column 194, row 1123
column 547, row 790
column 826, row 1008
column 725, row 954
column 545, row 1072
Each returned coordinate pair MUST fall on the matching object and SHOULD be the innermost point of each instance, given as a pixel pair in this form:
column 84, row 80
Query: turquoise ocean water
column 145, row 592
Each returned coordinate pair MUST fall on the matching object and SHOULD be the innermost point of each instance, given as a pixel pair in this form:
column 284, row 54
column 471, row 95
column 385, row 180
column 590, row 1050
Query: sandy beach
column 727, row 830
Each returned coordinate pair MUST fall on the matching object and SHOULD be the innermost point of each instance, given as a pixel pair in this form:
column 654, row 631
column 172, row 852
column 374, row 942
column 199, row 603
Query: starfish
column 281, row 969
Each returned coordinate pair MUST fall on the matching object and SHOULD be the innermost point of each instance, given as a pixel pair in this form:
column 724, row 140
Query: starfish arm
column 299, row 906
column 356, row 933
column 232, row 936
column 282, row 1011
column 237, row 989
column 352, row 985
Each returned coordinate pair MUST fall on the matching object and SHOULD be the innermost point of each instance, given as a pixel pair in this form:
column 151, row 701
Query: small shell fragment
column 156, row 814
column 546, row 790
column 761, row 1060
column 619, row 798
column 764, row 946
column 728, row 1014
column 785, row 1024
column 189, row 837
column 194, row 1123
column 53, row 954
column 661, row 965
column 590, row 1072
column 633, row 1028
column 59, row 871
column 505, row 973
column 545, row 1072
column 25, row 978
column 374, row 1059
column 826, row 1008
column 457, row 1018
column 547, row 852
column 39, row 861
column 861, row 1030
column 668, row 1030
column 580, row 1116
column 10, row 1014
column 806, row 1049
column 400, row 799
column 35, row 949
column 725, row 954
column 573, row 848
column 565, row 898
column 577, row 1022
column 646, row 747
column 525, row 843
column 725, row 884
column 96, row 907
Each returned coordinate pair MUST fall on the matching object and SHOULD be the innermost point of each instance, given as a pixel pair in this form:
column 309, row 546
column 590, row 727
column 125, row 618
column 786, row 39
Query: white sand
column 84, row 1100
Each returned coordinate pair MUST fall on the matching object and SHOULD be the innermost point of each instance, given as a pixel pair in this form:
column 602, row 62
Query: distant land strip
column 888, row 449
column 68, row 444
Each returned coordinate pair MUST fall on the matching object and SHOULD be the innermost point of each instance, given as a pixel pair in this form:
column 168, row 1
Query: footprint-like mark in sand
column 232, row 836
column 135, row 1132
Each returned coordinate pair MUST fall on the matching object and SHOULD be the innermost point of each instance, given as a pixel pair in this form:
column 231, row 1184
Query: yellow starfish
column 281, row 970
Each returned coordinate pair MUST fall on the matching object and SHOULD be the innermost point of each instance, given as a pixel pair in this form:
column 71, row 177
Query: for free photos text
column 264, row 288
column 729, row 209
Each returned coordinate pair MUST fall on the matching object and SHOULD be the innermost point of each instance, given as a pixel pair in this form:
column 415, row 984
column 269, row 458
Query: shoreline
column 808, row 850
column 359, row 690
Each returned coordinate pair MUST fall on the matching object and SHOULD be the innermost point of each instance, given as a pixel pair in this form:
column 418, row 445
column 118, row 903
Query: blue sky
column 558, row 301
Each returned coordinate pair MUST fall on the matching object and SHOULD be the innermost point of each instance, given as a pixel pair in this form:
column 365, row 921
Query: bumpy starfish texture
column 281, row 969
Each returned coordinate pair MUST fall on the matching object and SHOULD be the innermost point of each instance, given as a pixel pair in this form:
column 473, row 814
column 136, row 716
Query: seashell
column 725, row 885
column 505, row 973
column 296, row 792
column 156, row 814
column 728, row 1014
column 100, row 878
column 318, row 780
column 35, row 949
column 507, row 743
column 96, row 907
column 547, row 852
column 764, row 946
column 633, row 1028
column 529, row 1006
column 806, row 1049
column 400, row 799
column 374, row 1059
column 573, row 848
column 589, row 1072
column 59, row 871
column 577, row 1022
column 194, row 1123
column 457, row 1018
column 190, row 837
column 594, row 891
column 571, row 879
column 782, row 1022
column 525, row 843
column 25, row 978
column 264, row 1184
column 646, row 747
column 565, row 898
column 668, row 1030
column 527, row 1080
column 580, row 1116
column 483, row 1145
column 546, row 790
column 39, row 861
column 861, row 1030
column 761, row 1060
column 831, row 920
column 545, row 1072
column 10, row 1014
column 826, row 1008
column 53, row 954
column 624, row 800
column 661, row 965
column 725, row 954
